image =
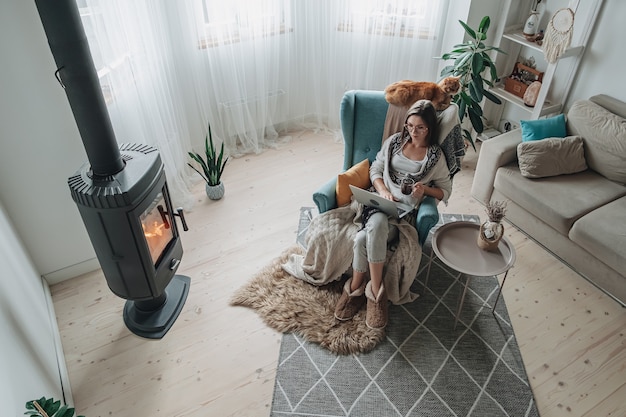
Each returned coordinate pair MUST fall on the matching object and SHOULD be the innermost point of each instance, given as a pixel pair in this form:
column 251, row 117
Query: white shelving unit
column 509, row 38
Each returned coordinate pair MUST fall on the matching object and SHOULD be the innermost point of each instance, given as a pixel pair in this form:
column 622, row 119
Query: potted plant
column 470, row 61
column 492, row 230
column 47, row 407
column 212, row 167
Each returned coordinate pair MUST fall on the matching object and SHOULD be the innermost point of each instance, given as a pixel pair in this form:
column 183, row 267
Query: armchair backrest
column 362, row 115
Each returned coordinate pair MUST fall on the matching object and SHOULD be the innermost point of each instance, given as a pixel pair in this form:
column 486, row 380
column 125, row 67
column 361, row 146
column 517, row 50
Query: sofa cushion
column 604, row 135
column 558, row 201
column 602, row 233
column 550, row 127
column 552, row 156
column 358, row 175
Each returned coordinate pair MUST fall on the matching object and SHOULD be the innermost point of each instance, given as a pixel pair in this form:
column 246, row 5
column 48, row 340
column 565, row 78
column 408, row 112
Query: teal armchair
column 362, row 115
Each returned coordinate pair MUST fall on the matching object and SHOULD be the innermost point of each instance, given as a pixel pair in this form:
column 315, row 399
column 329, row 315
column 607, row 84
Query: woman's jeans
column 370, row 243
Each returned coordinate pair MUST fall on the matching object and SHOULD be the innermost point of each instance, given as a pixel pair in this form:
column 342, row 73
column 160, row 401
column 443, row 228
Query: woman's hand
column 382, row 190
column 419, row 190
column 387, row 194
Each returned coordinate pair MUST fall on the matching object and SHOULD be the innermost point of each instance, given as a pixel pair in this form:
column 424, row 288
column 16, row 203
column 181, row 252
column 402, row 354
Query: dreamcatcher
column 558, row 36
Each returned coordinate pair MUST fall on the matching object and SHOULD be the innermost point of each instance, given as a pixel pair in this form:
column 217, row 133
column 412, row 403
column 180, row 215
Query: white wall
column 31, row 358
column 604, row 62
column 41, row 148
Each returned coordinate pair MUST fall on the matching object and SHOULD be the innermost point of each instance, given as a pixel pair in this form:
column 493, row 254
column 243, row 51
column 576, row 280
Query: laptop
column 392, row 208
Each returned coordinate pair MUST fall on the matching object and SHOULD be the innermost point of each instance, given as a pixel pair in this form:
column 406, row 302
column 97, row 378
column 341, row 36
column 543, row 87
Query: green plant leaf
column 468, row 29
column 468, row 137
column 462, row 59
column 476, row 90
column 478, row 64
column 488, row 82
column 491, row 97
column 446, row 71
column 462, row 107
column 475, row 108
column 466, row 98
column 483, row 26
column 212, row 164
column 52, row 406
column 476, row 120
column 493, row 71
column 68, row 412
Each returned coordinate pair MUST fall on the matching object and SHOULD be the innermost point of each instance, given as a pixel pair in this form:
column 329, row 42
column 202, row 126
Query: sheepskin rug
column 290, row 305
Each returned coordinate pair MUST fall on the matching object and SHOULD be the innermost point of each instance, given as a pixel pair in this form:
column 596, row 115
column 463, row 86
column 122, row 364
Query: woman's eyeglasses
column 412, row 128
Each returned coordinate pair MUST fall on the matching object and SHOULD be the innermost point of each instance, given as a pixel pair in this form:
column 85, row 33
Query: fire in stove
column 156, row 228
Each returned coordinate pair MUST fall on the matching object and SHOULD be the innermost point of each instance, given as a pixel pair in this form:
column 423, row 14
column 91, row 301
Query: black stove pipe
column 77, row 74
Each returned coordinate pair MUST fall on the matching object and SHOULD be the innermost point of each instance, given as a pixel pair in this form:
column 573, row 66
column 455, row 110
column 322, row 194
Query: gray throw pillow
column 604, row 135
column 551, row 156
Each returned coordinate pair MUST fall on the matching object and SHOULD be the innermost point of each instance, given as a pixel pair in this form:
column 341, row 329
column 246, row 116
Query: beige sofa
column 579, row 217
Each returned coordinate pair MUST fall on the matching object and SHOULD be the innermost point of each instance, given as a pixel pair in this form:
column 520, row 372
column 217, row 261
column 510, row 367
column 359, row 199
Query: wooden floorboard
column 220, row 360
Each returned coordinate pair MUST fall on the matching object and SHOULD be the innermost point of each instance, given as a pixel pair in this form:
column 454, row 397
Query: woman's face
column 417, row 127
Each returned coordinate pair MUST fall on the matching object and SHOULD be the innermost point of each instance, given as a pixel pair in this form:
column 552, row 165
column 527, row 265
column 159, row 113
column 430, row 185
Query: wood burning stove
column 131, row 224
column 121, row 192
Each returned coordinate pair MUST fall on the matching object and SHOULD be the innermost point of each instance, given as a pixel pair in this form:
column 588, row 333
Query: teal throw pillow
column 551, row 127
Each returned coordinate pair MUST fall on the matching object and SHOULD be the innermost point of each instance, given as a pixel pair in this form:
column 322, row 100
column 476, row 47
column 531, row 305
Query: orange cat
column 408, row 92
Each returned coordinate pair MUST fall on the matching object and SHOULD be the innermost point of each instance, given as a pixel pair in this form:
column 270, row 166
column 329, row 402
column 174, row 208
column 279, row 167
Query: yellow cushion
column 358, row 175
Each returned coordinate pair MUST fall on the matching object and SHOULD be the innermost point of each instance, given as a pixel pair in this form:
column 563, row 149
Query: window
column 401, row 18
column 227, row 22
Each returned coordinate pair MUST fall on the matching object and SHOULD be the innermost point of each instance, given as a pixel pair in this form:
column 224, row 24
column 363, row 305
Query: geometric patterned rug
column 425, row 367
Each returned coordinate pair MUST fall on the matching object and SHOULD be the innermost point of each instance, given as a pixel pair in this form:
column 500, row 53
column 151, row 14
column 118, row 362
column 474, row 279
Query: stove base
column 154, row 322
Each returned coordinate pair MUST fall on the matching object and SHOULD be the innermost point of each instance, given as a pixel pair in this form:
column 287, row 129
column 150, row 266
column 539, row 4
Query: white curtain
column 134, row 55
column 252, row 69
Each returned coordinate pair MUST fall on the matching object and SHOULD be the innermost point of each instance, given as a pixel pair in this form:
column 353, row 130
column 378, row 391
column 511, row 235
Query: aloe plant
column 48, row 407
column 213, row 166
column 471, row 59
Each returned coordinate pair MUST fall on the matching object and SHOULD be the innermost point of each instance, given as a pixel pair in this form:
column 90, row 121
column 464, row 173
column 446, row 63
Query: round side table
column 455, row 245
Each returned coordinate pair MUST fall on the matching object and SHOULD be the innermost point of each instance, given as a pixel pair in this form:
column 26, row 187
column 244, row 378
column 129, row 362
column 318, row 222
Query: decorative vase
column 489, row 235
column 215, row 192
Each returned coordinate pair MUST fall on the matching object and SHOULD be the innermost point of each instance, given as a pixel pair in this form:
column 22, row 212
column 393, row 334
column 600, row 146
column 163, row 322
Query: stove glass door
column 157, row 227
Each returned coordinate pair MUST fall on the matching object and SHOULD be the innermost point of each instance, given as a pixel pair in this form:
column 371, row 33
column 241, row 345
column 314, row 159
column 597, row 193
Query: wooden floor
column 220, row 360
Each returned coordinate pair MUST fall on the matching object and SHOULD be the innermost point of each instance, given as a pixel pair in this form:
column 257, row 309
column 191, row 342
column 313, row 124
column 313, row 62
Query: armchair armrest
column 325, row 198
column 427, row 217
column 494, row 153
column 427, row 214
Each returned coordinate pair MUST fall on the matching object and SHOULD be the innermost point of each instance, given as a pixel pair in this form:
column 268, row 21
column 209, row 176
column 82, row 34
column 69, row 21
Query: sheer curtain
column 131, row 47
column 251, row 69
column 261, row 66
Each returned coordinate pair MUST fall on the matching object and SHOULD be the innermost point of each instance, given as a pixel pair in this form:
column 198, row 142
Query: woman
column 412, row 153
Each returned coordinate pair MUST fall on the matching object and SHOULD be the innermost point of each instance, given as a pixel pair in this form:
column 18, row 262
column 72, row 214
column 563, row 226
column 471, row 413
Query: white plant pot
column 215, row 192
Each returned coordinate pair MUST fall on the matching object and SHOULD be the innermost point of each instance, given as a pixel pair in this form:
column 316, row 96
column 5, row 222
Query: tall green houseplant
column 471, row 59
column 211, row 167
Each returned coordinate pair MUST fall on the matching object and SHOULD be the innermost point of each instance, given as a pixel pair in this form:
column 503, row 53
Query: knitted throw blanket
column 329, row 252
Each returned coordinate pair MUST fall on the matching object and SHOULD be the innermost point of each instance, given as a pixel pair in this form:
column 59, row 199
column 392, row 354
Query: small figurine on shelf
column 531, row 27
